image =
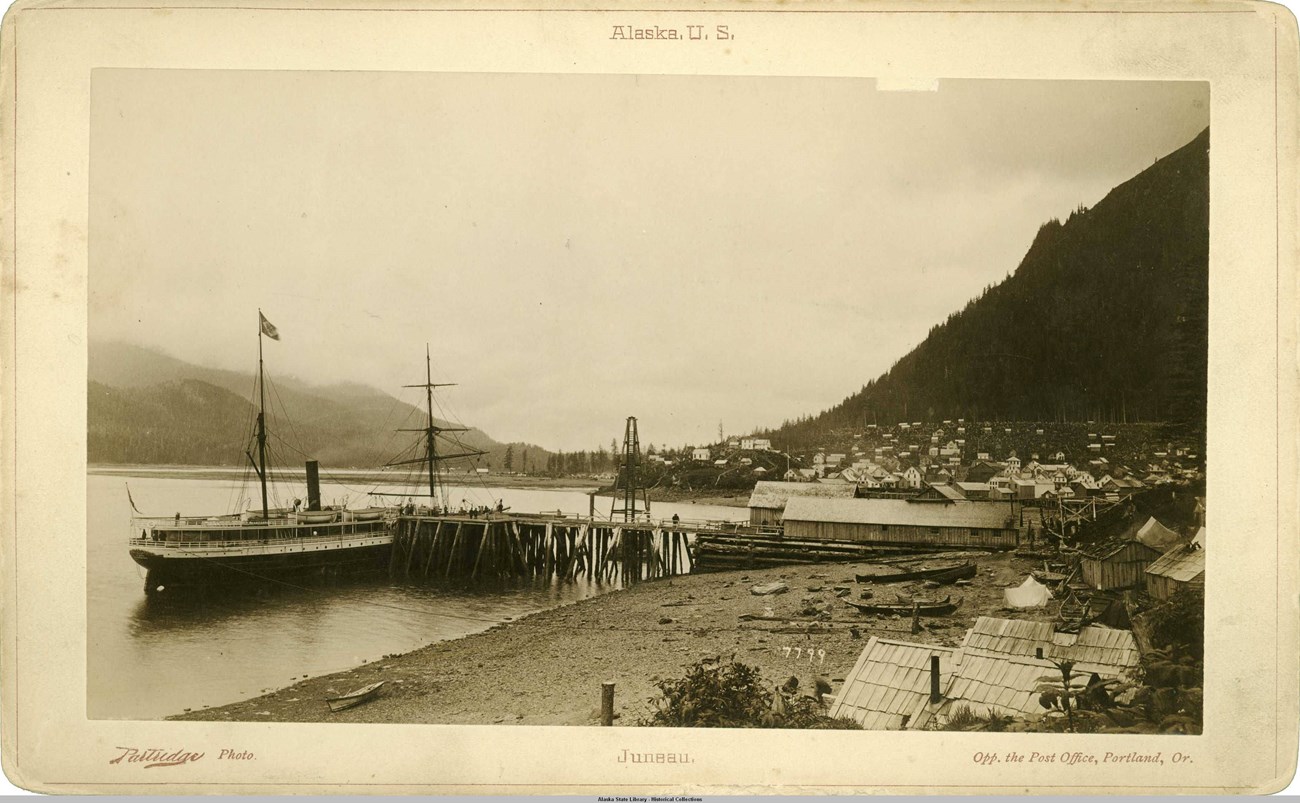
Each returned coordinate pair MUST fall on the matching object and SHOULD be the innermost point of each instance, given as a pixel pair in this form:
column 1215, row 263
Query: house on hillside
column 1031, row 489
column 901, row 522
column 939, row 493
column 982, row 471
column 974, row 490
column 701, row 455
column 912, row 477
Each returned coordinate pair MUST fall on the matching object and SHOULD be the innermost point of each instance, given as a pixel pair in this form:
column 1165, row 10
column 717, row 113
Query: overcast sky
column 577, row 249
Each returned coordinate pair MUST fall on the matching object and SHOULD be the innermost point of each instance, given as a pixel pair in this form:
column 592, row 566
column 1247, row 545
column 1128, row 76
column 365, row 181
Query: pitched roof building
column 768, row 500
column 901, row 521
column 1180, row 567
column 899, row 685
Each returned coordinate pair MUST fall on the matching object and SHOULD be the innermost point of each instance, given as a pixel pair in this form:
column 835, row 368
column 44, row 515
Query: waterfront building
column 901, row 521
column 768, row 500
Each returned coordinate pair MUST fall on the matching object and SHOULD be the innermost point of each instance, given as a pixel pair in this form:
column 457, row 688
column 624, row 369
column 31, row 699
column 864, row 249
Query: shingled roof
column 890, row 684
column 1093, row 645
column 1184, row 563
column 1003, row 684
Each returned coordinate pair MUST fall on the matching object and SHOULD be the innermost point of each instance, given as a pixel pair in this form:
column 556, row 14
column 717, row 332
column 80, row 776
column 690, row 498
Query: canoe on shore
column 940, row 574
column 361, row 695
column 941, row 607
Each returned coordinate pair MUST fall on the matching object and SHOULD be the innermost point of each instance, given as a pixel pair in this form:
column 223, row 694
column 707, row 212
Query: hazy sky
column 577, row 249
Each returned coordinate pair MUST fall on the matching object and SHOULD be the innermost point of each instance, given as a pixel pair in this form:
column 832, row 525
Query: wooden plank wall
column 903, row 534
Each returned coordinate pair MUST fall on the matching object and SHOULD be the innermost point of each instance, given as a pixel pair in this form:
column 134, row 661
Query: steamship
column 265, row 543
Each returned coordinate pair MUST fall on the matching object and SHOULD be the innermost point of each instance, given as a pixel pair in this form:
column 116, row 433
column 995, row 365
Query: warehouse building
column 902, row 522
column 768, row 500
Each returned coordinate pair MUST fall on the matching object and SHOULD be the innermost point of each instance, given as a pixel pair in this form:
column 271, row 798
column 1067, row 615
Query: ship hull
column 172, row 567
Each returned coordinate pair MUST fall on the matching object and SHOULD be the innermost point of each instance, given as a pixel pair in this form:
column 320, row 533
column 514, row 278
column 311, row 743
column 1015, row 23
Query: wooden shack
column 902, row 522
column 1181, row 567
column 1116, row 563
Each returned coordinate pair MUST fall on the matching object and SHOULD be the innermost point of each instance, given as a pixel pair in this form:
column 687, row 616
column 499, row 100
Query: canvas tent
column 1029, row 594
column 1158, row 536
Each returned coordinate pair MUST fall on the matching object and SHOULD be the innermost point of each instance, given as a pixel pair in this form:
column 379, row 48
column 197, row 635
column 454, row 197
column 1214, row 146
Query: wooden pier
column 507, row 545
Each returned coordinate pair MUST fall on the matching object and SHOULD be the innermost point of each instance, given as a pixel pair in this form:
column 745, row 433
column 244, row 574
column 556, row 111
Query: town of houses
column 976, row 461
column 1136, row 539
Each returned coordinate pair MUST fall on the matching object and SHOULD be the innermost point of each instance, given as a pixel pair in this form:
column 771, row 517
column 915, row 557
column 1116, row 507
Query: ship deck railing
column 233, row 520
column 246, row 542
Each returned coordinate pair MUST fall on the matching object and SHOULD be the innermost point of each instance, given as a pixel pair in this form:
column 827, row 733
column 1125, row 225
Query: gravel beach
column 547, row 668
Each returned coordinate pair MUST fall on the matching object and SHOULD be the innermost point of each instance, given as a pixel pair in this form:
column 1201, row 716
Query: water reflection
column 148, row 657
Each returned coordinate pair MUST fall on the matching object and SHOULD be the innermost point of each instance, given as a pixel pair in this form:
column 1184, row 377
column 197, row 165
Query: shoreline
column 634, row 637
column 718, row 498
column 349, row 475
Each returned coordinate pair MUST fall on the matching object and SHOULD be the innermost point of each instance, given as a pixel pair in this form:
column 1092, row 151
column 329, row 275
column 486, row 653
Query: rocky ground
column 547, row 668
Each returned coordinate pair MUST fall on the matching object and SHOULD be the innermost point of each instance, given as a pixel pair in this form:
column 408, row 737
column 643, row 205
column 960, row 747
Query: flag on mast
column 268, row 328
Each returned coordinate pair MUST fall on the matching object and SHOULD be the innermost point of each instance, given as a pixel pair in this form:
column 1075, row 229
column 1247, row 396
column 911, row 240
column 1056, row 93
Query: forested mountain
column 147, row 407
column 1104, row 319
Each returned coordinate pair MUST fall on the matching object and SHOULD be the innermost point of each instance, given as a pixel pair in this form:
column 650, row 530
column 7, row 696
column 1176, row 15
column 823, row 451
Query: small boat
column 367, row 514
column 924, row 607
column 1050, row 578
column 942, row 574
column 361, row 695
column 317, row 516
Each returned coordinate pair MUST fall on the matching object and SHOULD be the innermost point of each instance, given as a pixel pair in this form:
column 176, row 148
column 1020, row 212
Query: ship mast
column 431, row 447
column 259, row 465
column 431, row 430
column 261, row 419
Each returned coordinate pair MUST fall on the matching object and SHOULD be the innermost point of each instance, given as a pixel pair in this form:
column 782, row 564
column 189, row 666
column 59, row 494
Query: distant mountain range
column 147, row 407
column 1105, row 319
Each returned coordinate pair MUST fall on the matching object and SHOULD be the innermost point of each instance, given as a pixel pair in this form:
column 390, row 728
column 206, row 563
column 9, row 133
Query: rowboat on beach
column 361, row 695
column 941, row 607
column 939, row 574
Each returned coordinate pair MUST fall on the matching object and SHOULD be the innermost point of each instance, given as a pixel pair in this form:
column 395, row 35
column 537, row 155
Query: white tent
column 1030, row 594
column 1158, row 536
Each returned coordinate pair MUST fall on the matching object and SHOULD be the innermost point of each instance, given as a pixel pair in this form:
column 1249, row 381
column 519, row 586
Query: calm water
column 151, row 658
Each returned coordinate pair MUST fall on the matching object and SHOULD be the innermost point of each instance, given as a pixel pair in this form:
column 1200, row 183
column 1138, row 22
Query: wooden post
column 410, row 552
column 455, row 541
column 433, row 545
column 607, row 703
column 482, row 545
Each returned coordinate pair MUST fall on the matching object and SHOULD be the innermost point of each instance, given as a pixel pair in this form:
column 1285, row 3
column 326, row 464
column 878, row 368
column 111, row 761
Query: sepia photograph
column 678, row 401
column 649, row 403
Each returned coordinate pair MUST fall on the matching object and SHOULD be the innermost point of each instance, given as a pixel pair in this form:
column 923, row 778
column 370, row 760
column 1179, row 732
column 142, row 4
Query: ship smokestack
column 313, row 485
